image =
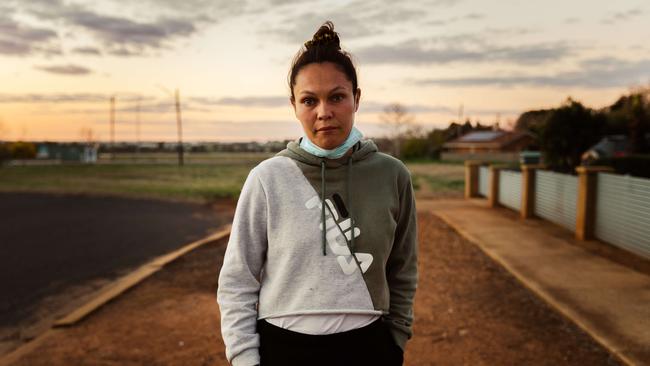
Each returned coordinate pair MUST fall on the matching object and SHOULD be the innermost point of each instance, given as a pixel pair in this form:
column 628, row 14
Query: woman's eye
column 337, row 97
column 308, row 101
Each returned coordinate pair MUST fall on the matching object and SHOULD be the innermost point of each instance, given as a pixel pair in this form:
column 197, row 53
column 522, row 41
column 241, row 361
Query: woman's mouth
column 326, row 128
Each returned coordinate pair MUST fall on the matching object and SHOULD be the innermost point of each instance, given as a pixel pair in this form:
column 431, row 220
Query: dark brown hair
column 325, row 46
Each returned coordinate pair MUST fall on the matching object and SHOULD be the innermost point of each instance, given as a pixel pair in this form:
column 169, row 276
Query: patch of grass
column 438, row 183
column 195, row 183
column 432, row 179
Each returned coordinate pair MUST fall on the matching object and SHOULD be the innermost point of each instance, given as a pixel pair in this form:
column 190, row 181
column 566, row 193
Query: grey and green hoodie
column 279, row 260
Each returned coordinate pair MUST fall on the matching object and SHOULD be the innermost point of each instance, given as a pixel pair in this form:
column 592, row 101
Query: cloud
column 298, row 29
column 378, row 107
column 443, row 3
column 354, row 20
column 456, row 19
column 592, row 73
column 165, row 106
column 87, row 51
column 466, row 49
column 622, row 16
column 65, row 69
column 249, row 101
column 212, row 9
column 122, row 33
column 20, row 40
column 70, row 98
column 134, row 30
column 14, row 48
column 474, row 16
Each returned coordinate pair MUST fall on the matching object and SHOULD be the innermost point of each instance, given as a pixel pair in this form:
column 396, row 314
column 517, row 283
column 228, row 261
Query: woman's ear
column 357, row 97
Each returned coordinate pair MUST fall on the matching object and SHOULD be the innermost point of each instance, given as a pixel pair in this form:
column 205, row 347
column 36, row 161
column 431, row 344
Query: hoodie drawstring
column 349, row 201
column 322, row 200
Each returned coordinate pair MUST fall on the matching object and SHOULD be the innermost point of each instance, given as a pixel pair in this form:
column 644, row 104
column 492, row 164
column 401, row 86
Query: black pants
column 370, row 345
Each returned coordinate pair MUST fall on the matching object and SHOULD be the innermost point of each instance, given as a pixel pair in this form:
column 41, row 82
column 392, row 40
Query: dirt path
column 469, row 311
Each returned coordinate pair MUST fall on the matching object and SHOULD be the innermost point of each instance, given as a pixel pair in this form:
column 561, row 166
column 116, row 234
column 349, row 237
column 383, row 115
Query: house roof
column 486, row 139
column 480, row 136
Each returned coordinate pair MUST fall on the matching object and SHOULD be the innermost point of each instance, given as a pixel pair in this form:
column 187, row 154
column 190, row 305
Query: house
column 496, row 145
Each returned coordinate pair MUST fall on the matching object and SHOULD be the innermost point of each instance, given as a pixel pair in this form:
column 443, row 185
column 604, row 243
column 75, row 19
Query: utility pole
column 179, row 123
column 179, row 128
column 137, row 127
column 459, row 128
column 112, row 121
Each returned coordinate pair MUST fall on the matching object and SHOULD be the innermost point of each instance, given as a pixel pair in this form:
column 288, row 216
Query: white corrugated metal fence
column 556, row 197
column 510, row 189
column 483, row 178
column 623, row 212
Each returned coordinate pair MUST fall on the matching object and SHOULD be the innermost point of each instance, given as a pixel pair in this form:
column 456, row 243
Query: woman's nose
column 324, row 111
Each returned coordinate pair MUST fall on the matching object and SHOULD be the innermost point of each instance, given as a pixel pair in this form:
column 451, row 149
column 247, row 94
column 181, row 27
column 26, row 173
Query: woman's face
column 325, row 103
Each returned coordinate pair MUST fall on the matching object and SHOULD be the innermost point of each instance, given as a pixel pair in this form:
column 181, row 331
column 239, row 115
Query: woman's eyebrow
column 330, row 92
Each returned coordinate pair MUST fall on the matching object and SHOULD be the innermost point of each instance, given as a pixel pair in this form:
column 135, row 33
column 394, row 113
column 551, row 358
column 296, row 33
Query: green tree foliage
column 400, row 124
column 568, row 132
column 533, row 121
column 630, row 116
column 415, row 148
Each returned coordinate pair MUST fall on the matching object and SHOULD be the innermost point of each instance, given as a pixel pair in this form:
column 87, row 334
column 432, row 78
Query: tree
column 639, row 124
column 568, row 132
column 400, row 123
column 533, row 122
column 630, row 115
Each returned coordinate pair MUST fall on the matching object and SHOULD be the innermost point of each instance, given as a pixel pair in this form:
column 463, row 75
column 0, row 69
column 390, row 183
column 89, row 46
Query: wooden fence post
column 493, row 193
column 586, row 208
column 528, row 172
column 471, row 178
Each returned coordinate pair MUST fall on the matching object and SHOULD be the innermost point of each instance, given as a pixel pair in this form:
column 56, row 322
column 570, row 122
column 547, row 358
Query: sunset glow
column 61, row 61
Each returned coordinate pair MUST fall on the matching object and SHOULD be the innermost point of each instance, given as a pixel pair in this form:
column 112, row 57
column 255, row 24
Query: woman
column 292, row 292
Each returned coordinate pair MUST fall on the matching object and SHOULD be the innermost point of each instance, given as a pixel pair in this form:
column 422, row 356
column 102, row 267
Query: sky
column 61, row 61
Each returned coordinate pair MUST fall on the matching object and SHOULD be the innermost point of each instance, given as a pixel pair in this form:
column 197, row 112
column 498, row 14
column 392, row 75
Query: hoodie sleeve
column 401, row 268
column 239, row 279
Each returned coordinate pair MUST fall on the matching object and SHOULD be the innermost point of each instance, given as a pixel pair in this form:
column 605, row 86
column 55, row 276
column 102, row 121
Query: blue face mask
column 354, row 137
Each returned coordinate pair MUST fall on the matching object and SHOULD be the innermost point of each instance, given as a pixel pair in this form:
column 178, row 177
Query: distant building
column 72, row 152
column 496, row 145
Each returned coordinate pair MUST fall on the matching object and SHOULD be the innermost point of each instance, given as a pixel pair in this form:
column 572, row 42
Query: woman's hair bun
column 325, row 37
column 325, row 46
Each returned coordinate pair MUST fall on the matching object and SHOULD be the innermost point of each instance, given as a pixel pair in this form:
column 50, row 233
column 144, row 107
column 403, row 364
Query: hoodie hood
column 361, row 150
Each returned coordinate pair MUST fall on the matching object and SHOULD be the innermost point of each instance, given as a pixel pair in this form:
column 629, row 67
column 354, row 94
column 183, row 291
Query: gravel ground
column 469, row 311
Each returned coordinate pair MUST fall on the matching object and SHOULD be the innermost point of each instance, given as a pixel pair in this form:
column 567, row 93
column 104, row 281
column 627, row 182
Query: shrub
column 22, row 150
column 5, row 152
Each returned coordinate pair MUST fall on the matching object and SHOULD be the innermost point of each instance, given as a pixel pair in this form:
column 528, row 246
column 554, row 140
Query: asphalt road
column 51, row 242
